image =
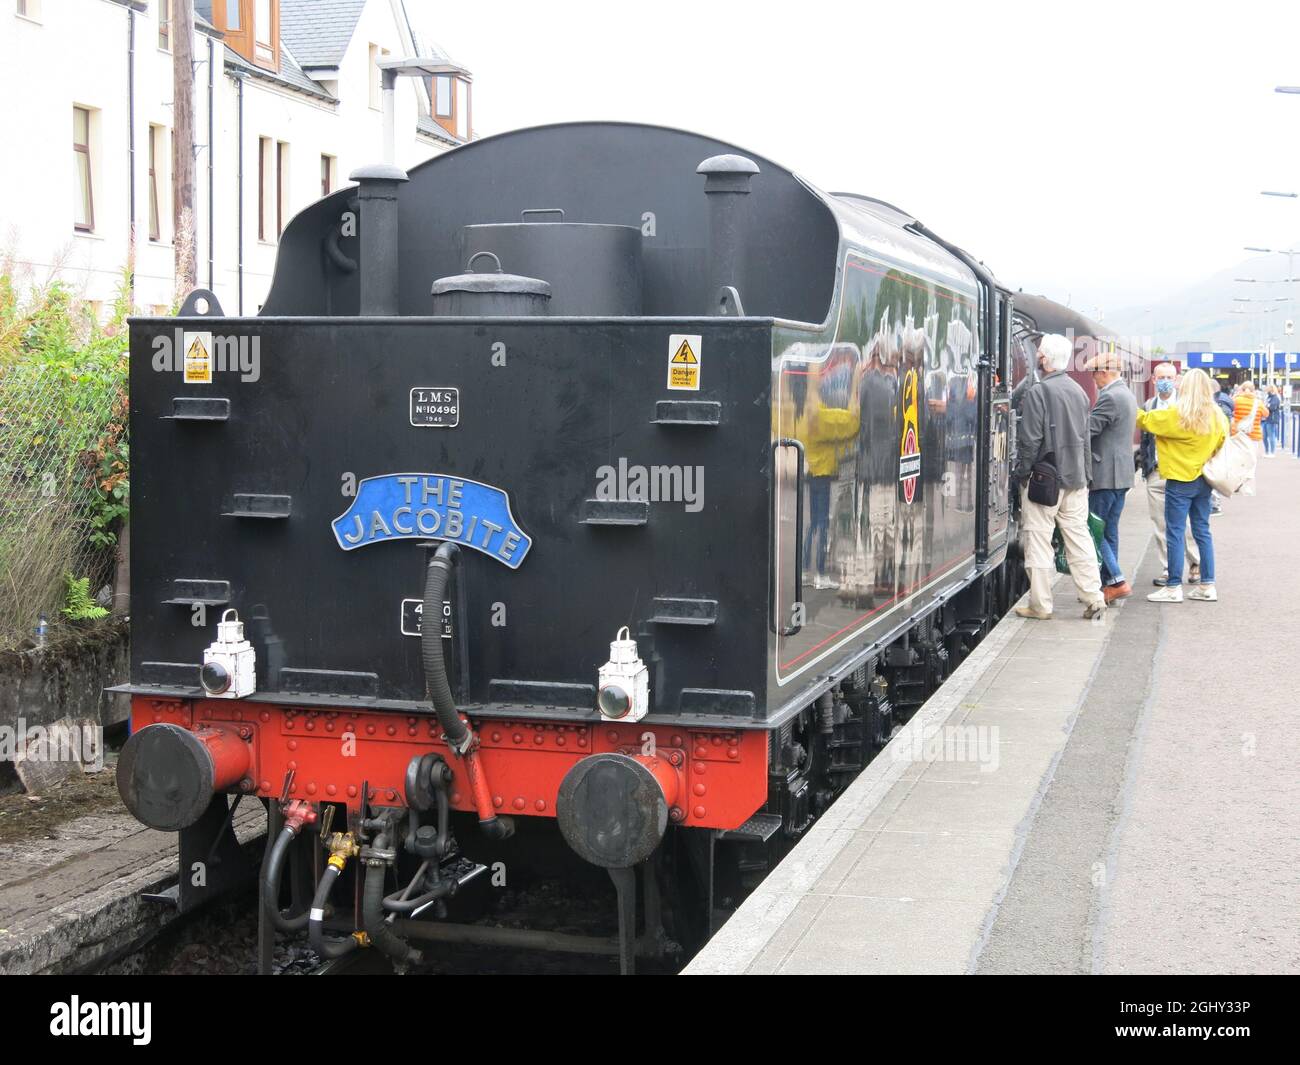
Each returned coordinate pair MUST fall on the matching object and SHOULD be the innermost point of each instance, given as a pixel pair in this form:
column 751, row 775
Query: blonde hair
column 1248, row 386
column 1197, row 410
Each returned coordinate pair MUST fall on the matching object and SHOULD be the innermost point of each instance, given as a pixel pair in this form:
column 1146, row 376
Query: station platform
column 75, row 898
column 1118, row 796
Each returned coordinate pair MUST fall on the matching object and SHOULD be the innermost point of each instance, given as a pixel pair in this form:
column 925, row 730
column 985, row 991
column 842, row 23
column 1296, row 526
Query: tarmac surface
column 1081, row 797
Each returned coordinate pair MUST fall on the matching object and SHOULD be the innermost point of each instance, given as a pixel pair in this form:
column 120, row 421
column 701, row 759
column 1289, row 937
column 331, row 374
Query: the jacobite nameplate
column 433, row 506
column 435, row 408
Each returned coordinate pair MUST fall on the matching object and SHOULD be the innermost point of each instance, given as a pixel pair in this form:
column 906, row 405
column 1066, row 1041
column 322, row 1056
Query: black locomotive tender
column 560, row 382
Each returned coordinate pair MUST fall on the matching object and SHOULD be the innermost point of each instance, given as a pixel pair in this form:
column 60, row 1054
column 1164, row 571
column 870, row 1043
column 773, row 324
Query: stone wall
column 65, row 682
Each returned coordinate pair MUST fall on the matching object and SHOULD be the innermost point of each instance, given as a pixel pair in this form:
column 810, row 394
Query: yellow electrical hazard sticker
column 684, row 362
column 198, row 358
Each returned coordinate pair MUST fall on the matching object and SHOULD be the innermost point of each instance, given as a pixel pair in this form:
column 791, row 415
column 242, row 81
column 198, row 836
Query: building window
column 265, row 163
column 281, row 186
column 442, row 96
column 165, row 25
column 462, row 109
column 232, row 15
column 84, row 218
column 29, row 9
column 272, row 188
column 377, row 76
column 155, row 214
column 264, row 31
column 326, row 175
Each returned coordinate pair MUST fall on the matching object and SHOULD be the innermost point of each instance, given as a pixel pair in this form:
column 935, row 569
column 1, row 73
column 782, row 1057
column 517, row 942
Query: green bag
column 1095, row 526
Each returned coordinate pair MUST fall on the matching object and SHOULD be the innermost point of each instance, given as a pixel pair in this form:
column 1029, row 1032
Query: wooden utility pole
column 183, row 226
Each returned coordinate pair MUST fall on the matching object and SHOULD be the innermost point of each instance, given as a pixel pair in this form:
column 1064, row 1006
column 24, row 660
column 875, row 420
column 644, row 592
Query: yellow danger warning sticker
column 198, row 358
column 684, row 353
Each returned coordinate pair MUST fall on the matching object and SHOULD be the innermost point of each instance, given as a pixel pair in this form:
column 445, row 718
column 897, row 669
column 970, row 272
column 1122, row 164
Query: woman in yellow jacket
column 1187, row 434
column 826, row 434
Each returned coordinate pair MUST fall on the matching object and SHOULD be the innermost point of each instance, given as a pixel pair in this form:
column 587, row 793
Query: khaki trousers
column 1156, row 507
column 1070, row 515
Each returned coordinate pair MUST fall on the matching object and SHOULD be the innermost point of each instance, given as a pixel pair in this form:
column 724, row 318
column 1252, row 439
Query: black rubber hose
column 327, row 949
column 437, row 576
column 272, row 870
column 396, row 904
column 457, row 733
column 372, row 919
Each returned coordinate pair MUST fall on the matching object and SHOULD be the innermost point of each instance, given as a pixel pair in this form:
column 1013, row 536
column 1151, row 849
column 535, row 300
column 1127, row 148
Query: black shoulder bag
column 1044, row 478
column 1045, row 482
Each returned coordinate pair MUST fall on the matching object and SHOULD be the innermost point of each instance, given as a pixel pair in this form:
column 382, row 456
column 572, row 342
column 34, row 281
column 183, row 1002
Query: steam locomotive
column 594, row 482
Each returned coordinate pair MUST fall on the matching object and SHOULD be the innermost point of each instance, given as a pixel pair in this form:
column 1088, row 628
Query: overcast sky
column 1102, row 153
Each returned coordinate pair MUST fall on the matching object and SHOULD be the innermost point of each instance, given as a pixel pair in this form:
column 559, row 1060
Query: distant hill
column 1201, row 315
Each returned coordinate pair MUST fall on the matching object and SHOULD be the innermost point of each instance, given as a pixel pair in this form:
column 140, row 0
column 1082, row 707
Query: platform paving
column 72, row 902
column 1128, row 799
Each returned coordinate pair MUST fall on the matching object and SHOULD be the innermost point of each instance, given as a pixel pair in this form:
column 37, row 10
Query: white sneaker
column 1167, row 594
column 1204, row 592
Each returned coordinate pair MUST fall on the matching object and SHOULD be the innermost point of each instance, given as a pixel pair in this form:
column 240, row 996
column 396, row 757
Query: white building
column 287, row 103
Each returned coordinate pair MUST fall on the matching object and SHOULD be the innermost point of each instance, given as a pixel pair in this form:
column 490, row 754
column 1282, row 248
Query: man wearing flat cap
column 1110, row 426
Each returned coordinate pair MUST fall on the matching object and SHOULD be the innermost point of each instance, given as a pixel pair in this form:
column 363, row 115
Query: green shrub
column 63, row 448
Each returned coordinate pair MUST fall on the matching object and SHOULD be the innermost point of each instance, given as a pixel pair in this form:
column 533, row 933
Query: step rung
column 758, row 829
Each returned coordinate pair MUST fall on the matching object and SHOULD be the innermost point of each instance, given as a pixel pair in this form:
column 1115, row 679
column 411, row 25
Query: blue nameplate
column 433, row 506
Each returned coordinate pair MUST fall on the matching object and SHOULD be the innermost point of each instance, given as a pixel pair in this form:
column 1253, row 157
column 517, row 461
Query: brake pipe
column 459, row 734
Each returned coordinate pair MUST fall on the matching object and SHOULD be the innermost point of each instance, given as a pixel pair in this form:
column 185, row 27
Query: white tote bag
column 1232, row 467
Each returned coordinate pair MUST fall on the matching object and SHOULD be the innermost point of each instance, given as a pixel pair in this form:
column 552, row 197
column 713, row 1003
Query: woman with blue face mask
column 1164, row 374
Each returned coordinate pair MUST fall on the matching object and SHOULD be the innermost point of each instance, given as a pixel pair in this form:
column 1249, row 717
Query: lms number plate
column 412, row 609
column 435, row 408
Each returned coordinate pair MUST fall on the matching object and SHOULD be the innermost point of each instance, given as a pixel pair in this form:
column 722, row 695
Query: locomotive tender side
column 761, row 427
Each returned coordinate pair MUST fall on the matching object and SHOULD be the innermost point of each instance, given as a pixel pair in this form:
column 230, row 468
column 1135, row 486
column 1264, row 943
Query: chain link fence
column 62, row 401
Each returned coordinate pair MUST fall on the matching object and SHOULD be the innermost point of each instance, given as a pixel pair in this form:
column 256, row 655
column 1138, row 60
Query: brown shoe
column 1030, row 612
column 1117, row 591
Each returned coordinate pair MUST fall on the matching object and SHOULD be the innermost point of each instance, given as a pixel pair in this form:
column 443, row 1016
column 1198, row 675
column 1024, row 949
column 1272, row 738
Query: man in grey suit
column 1054, row 427
column 1111, row 425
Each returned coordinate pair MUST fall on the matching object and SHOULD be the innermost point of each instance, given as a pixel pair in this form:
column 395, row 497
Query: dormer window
column 264, row 35
column 251, row 28
column 451, row 104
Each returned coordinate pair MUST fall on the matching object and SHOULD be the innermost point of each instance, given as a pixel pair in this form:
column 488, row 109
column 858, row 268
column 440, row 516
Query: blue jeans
column 1270, row 436
column 1108, row 505
column 819, row 522
column 1184, row 499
